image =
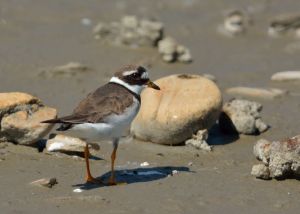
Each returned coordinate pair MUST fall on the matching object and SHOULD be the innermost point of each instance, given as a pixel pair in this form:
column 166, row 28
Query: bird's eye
column 135, row 75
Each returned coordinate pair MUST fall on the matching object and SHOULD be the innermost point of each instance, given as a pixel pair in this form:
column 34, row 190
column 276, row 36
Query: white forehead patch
column 145, row 75
column 127, row 73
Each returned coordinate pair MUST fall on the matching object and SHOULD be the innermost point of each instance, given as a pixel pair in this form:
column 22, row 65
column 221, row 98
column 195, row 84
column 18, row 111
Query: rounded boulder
column 184, row 105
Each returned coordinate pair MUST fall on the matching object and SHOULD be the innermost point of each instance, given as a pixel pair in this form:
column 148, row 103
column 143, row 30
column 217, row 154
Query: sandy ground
column 39, row 34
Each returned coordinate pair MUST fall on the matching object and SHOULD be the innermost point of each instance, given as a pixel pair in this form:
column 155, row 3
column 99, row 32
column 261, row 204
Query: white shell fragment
column 286, row 76
column 78, row 190
column 144, row 164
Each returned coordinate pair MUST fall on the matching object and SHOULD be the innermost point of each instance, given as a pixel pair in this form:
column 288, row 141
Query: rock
column 20, row 116
column 68, row 70
column 261, row 171
column 45, row 182
column 235, row 23
column 281, row 158
column 286, row 76
column 63, row 143
column 171, row 51
column 285, row 158
column 284, row 24
column 261, row 150
column 270, row 93
column 134, row 32
column 242, row 116
column 184, row 105
column 130, row 31
column 199, row 141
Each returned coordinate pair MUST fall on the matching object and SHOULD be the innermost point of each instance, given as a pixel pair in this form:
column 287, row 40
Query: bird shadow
column 136, row 175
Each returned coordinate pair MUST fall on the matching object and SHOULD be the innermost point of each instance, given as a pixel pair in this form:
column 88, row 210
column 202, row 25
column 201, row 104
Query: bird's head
column 134, row 78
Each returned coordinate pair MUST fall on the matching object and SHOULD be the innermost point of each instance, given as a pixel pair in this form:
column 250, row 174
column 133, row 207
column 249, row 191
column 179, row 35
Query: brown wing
column 106, row 100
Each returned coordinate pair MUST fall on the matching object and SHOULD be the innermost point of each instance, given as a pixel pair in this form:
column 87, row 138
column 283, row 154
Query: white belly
column 115, row 127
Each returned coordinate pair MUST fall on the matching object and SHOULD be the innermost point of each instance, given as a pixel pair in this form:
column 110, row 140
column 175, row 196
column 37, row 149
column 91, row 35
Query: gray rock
column 282, row 158
column 242, row 116
column 261, row 171
column 262, row 150
column 285, row 158
column 199, row 141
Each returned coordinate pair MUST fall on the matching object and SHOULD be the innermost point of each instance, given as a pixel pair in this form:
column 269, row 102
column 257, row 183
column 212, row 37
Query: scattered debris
column 285, row 24
column 235, row 23
column 144, row 164
column 270, row 93
column 45, row 182
column 286, row 76
column 68, row 70
column 280, row 158
column 241, row 116
column 21, row 115
column 132, row 32
column 199, row 141
column 171, row 51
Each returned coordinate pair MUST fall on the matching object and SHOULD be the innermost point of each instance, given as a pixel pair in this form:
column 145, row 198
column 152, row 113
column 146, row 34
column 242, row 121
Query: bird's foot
column 90, row 179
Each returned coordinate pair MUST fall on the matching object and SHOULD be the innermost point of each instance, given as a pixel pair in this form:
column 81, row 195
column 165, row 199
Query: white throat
column 137, row 89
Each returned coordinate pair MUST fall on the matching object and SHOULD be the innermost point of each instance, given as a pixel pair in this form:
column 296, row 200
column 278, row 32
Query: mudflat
column 35, row 35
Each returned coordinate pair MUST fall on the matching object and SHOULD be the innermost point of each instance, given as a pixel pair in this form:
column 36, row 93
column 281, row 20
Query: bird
column 107, row 112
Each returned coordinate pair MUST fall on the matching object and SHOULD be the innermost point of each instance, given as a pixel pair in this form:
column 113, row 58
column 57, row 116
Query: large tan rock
column 20, row 117
column 184, row 105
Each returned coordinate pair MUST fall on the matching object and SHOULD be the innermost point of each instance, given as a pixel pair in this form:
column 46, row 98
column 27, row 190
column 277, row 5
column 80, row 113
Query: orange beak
column 153, row 85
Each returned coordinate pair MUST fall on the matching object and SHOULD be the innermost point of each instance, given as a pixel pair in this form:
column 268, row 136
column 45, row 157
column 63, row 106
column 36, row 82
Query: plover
column 107, row 112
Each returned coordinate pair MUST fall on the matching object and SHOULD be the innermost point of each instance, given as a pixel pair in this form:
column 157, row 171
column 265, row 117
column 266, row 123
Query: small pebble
column 86, row 21
column 78, row 190
column 175, row 172
column 144, row 164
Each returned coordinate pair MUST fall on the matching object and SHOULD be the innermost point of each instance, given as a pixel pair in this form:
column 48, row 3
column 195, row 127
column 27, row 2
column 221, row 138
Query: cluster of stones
column 131, row 31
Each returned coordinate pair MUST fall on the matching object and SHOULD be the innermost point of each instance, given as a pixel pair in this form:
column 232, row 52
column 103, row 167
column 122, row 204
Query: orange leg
column 89, row 177
column 112, row 180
